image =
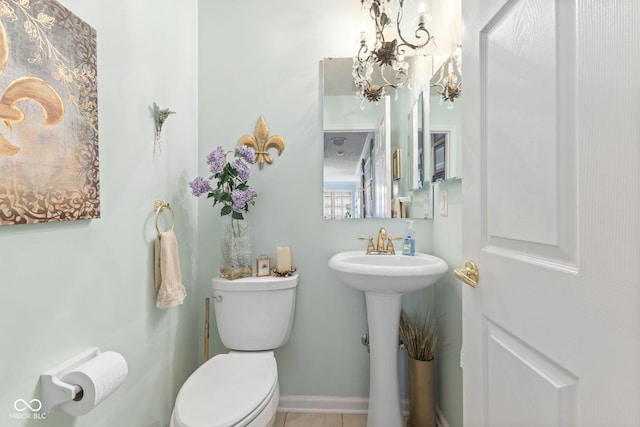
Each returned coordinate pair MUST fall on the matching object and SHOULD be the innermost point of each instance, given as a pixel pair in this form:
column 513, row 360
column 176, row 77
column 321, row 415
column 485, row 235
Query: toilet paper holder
column 53, row 391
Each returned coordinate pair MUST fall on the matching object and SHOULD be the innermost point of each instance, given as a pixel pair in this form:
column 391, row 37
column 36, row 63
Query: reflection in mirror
column 349, row 174
column 448, row 79
column 417, row 137
column 439, row 142
column 445, row 121
column 359, row 140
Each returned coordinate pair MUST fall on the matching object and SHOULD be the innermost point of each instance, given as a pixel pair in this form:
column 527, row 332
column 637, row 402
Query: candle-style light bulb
column 421, row 10
column 363, row 31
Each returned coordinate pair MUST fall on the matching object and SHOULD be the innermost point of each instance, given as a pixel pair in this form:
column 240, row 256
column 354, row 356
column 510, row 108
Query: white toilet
column 254, row 315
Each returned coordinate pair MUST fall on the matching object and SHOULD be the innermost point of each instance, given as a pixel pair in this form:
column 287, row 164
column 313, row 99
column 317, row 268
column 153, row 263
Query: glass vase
column 236, row 250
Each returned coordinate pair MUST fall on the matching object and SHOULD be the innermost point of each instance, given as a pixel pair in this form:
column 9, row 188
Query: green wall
column 219, row 65
column 73, row 285
column 447, row 244
column 255, row 60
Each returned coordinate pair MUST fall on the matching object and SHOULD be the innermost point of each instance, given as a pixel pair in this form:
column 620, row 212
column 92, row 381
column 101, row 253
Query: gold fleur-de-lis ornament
column 261, row 142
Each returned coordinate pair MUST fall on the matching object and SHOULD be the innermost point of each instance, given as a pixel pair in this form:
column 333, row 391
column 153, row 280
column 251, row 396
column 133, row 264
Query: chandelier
column 387, row 55
column 449, row 86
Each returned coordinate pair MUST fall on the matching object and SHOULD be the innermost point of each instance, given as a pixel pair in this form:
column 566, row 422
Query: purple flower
column 229, row 179
column 247, row 153
column 241, row 167
column 199, row 186
column 241, row 198
column 216, row 160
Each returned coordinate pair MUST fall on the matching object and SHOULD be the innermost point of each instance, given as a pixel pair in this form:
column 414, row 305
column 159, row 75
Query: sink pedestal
column 384, row 279
column 383, row 318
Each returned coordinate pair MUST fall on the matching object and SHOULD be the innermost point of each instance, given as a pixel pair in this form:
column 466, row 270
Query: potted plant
column 420, row 338
column 233, row 192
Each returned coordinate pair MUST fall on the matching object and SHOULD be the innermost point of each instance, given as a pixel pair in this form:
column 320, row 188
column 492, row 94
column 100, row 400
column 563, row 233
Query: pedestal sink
column 384, row 279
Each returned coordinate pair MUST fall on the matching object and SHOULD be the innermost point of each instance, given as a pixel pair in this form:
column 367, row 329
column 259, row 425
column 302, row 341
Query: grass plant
column 419, row 334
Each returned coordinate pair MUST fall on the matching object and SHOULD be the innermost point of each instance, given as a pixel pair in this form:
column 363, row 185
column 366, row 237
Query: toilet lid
column 226, row 389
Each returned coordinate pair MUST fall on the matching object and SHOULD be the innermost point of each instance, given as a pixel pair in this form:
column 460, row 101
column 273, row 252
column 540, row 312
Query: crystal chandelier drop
column 386, row 55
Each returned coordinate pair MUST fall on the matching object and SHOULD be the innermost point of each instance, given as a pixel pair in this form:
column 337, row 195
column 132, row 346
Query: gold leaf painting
column 49, row 169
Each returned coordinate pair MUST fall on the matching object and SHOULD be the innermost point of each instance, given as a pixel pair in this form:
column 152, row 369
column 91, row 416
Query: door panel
column 528, row 140
column 551, row 195
column 550, row 397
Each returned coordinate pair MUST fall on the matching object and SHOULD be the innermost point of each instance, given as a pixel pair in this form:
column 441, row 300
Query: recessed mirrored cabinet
column 382, row 158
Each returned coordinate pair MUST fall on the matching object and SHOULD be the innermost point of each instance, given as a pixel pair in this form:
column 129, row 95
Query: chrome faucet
column 381, row 248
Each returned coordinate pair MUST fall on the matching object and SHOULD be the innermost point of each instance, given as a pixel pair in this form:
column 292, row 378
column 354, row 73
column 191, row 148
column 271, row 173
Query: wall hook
column 159, row 117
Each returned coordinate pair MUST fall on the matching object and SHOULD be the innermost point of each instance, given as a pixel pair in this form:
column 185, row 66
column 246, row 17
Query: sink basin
column 387, row 274
column 384, row 279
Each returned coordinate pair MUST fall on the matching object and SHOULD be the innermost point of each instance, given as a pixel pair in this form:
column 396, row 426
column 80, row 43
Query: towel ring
column 159, row 206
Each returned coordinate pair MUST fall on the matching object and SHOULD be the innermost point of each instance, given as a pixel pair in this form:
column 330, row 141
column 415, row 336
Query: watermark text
column 27, row 410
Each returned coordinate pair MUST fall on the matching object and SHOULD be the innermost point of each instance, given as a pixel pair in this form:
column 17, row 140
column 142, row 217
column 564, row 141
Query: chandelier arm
column 401, row 77
column 384, row 54
column 379, row 37
column 418, row 33
column 364, row 49
column 362, row 59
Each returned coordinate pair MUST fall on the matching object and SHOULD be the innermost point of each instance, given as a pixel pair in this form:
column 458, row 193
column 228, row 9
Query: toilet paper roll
column 98, row 377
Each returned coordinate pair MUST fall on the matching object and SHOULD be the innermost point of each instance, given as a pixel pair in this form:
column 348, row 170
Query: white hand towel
column 168, row 279
column 395, row 208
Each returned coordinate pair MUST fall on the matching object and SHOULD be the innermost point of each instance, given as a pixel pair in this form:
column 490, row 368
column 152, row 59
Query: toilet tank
column 254, row 313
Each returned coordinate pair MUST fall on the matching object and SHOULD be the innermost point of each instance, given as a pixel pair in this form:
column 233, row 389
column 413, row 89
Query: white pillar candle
column 283, row 259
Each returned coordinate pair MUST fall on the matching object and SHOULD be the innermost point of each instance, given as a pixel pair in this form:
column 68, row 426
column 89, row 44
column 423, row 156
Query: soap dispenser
column 409, row 247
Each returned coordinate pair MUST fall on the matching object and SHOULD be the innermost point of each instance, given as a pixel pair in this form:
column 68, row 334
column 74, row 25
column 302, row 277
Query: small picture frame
column 263, row 266
column 396, row 165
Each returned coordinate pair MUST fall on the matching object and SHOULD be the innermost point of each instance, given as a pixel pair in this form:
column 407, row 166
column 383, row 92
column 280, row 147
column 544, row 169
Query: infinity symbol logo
column 22, row 405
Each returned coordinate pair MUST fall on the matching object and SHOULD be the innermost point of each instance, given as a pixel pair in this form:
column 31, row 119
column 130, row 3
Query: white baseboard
column 339, row 405
column 323, row 404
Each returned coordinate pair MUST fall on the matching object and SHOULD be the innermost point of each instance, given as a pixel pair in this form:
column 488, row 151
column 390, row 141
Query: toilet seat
column 228, row 390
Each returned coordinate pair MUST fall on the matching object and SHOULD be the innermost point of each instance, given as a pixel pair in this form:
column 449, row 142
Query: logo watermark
column 27, row 410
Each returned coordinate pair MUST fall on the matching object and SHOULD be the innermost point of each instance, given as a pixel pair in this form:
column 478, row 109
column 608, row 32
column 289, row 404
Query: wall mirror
column 374, row 162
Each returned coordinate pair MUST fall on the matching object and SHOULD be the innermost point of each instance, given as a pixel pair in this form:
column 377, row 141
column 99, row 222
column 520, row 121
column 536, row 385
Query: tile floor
column 319, row 420
column 322, row 420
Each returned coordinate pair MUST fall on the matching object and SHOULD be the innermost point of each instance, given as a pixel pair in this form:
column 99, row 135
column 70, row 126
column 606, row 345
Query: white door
column 551, row 203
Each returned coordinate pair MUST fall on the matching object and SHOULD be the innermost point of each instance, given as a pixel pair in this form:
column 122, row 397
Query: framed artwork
column 396, row 165
column 263, row 266
column 49, row 168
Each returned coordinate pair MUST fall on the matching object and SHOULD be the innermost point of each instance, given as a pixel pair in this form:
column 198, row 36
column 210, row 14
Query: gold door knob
column 468, row 274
